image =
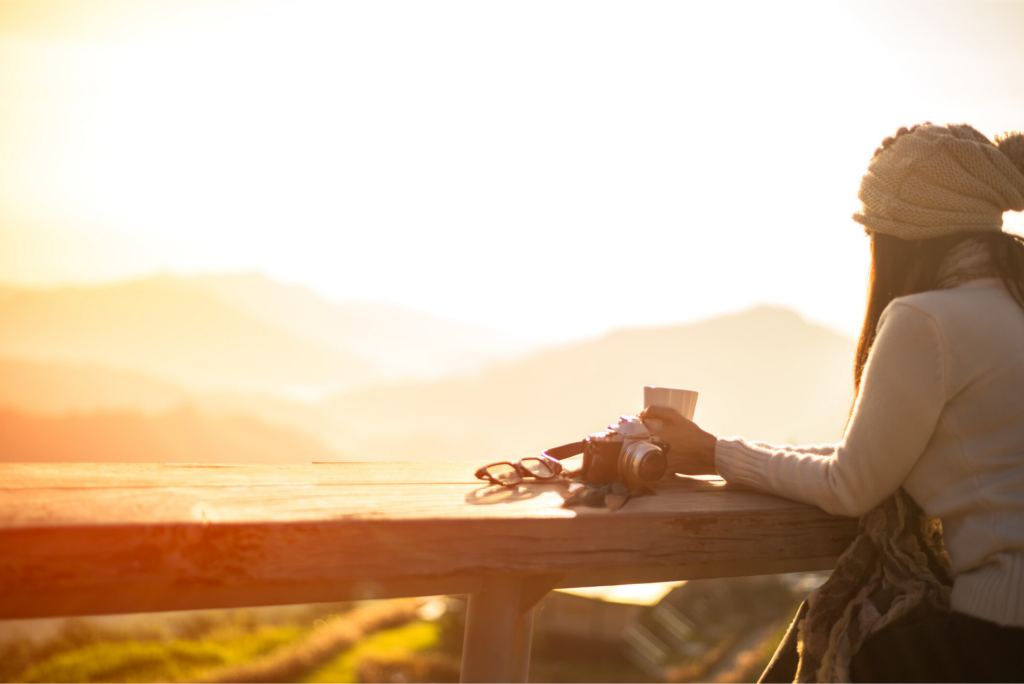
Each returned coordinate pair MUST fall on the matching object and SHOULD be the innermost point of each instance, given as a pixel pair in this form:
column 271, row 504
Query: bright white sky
column 555, row 169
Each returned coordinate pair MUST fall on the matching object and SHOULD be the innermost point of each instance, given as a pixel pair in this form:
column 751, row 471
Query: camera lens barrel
column 641, row 462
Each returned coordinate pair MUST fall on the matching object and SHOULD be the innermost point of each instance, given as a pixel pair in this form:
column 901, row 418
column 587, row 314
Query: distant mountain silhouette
column 403, row 343
column 763, row 374
column 170, row 332
column 242, row 332
column 57, row 388
column 53, row 390
column 180, row 436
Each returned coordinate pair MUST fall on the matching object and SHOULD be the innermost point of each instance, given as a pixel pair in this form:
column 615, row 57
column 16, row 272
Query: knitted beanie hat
column 928, row 181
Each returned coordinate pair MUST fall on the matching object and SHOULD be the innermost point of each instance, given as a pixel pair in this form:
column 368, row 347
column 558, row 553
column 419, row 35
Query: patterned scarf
column 897, row 563
column 968, row 260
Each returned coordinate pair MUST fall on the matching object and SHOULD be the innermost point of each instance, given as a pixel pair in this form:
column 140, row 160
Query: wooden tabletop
column 79, row 539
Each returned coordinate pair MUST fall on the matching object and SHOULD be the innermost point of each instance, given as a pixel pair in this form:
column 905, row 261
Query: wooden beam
column 101, row 539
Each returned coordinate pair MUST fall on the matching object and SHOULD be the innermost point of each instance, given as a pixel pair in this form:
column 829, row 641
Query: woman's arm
column 819, row 449
column 691, row 450
column 903, row 391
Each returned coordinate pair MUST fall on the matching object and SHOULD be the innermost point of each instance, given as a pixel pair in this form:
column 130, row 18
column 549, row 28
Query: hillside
column 174, row 333
column 52, row 390
column 401, row 343
column 241, row 332
column 183, row 435
column 55, row 388
column 764, row 374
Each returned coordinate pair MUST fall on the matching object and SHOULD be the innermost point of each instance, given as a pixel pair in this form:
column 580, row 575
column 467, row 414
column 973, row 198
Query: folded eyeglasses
column 508, row 474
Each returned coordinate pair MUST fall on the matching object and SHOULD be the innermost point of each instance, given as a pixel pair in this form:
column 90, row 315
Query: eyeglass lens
column 538, row 468
column 504, row 473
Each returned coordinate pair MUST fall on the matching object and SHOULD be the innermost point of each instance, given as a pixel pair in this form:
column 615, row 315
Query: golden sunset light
column 544, row 340
column 470, row 161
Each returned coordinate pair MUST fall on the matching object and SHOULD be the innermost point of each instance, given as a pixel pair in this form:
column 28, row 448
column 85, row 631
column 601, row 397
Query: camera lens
column 641, row 462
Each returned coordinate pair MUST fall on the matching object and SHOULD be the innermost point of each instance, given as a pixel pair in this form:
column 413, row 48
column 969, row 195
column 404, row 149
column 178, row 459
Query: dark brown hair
column 904, row 267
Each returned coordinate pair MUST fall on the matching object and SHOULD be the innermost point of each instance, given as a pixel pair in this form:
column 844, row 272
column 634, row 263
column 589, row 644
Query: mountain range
column 764, row 374
column 389, row 384
column 241, row 332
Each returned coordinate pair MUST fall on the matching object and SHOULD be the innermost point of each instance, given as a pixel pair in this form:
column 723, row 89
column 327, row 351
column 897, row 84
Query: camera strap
column 560, row 453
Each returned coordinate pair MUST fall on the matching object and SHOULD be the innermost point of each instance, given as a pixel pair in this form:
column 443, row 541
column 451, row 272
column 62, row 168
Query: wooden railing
column 87, row 539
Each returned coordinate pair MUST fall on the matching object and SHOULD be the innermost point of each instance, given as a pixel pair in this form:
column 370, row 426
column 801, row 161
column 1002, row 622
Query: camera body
column 625, row 453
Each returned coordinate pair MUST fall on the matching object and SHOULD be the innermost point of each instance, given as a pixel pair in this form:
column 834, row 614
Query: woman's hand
column 692, row 450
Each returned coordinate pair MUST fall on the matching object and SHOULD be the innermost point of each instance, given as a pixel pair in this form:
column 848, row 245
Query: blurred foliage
column 737, row 626
column 199, row 645
column 157, row 649
column 394, row 646
column 561, row 662
column 415, row 667
column 734, row 627
column 749, row 665
column 138, row 661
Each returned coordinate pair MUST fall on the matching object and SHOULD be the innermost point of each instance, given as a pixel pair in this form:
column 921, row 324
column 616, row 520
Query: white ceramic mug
column 684, row 401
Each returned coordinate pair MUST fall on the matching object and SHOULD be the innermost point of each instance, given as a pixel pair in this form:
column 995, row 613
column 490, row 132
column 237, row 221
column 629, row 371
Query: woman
column 939, row 409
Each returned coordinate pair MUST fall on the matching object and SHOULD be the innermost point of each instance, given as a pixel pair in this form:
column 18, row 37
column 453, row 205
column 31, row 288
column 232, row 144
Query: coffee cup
column 683, row 401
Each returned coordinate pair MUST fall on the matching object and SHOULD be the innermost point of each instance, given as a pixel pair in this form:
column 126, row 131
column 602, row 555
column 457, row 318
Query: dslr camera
column 625, row 453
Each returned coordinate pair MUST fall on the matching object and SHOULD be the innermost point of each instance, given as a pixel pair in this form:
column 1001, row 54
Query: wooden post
column 498, row 631
column 499, row 624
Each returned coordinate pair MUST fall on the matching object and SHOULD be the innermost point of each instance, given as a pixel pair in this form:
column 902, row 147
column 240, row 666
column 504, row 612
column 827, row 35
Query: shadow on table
column 495, row 494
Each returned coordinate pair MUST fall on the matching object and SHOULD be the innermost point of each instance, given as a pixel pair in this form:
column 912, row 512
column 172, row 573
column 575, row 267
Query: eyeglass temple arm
column 563, row 452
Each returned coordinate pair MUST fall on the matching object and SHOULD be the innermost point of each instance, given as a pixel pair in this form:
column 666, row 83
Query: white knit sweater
column 940, row 411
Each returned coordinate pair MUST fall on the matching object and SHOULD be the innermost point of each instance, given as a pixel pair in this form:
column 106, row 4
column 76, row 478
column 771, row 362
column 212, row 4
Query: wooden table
column 86, row 539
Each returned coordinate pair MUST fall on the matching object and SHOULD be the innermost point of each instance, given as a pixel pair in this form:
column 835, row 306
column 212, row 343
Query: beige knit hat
column 928, row 181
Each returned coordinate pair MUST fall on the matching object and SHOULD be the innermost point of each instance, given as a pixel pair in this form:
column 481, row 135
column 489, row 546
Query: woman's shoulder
column 979, row 307
column 986, row 296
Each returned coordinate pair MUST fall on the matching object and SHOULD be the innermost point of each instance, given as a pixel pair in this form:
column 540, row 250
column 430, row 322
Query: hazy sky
column 551, row 168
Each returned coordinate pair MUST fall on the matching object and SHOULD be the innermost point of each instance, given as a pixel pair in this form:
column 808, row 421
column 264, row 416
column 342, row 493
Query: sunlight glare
column 404, row 155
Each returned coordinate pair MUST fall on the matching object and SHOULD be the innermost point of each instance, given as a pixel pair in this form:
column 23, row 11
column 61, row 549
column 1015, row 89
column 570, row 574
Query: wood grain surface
column 106, row 538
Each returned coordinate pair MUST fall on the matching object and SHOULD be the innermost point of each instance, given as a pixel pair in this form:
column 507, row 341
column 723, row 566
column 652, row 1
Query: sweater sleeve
column 903, row 391
column 819, row 449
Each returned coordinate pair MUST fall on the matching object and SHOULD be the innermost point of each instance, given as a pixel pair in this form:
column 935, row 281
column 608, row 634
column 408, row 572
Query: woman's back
column 971, row 474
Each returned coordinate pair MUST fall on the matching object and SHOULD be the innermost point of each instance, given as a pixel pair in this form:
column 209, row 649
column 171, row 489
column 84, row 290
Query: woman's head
column 931, row 181
column 928, row 189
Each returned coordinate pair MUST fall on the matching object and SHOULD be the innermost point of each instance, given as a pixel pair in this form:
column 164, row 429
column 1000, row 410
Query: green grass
column 390, row 644
column 185, row 659
column 147, row 661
